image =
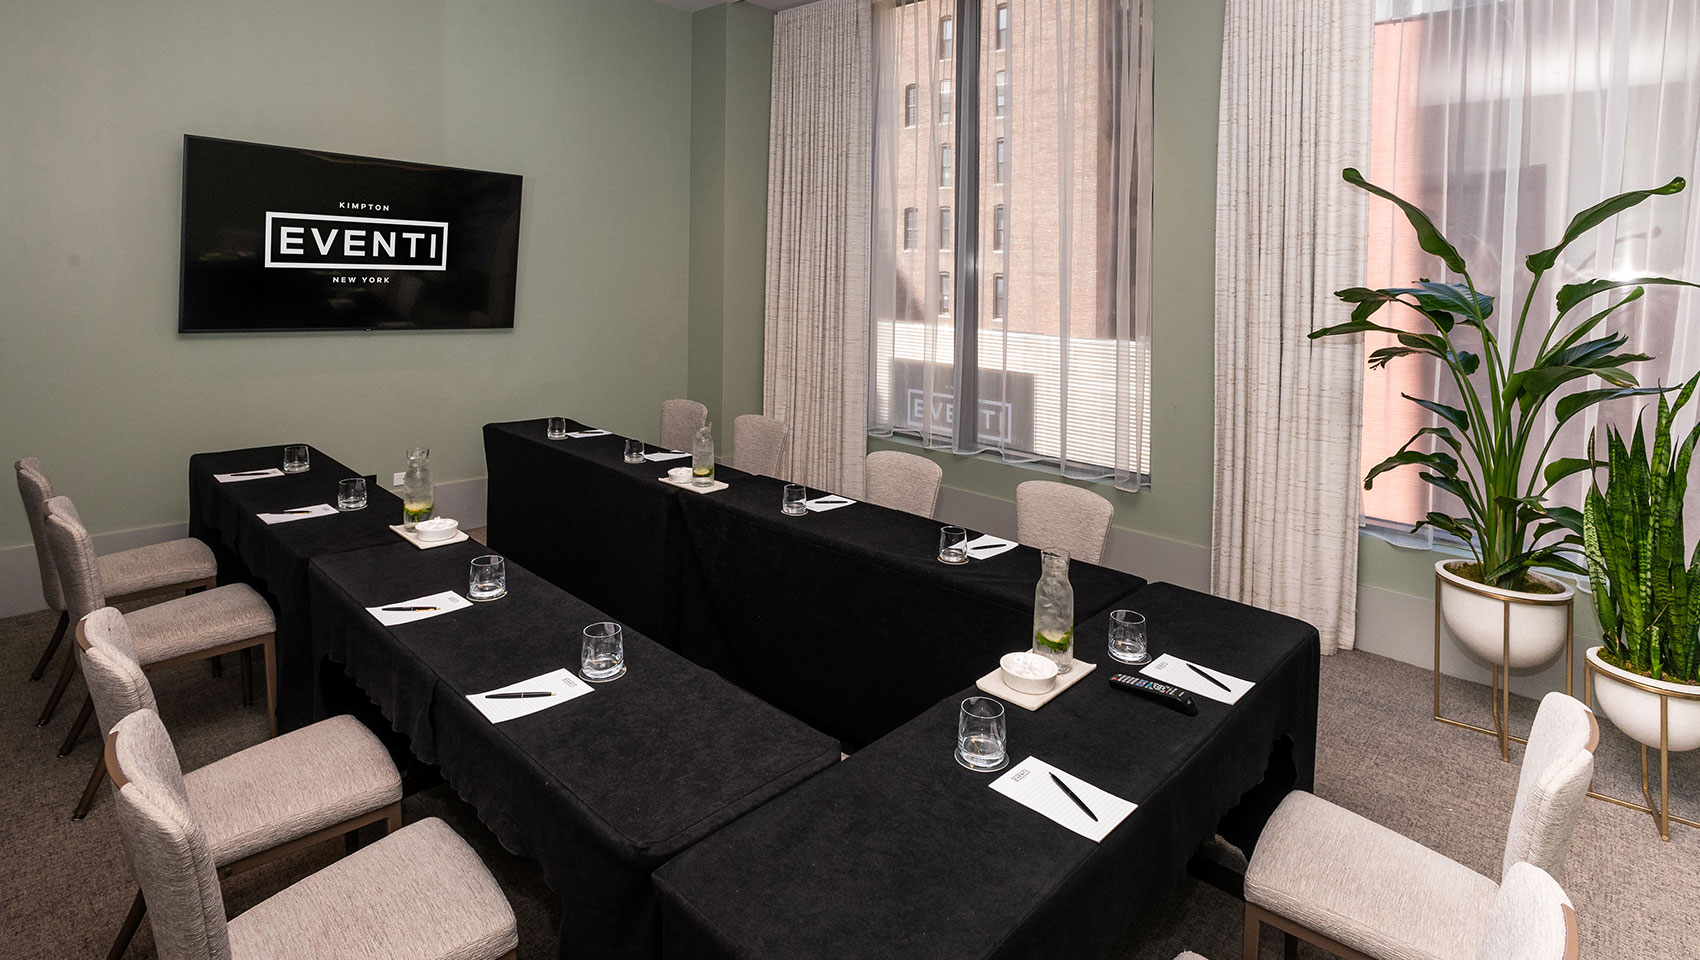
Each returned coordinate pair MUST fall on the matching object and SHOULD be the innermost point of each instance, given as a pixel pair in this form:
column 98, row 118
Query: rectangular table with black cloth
column 899, row 852
column 273, row 557
column 576, row 514
column 846, row 618
column 601, row 789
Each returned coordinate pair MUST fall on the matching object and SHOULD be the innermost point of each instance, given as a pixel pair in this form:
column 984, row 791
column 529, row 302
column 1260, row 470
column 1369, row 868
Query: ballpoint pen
column 1077, row 801
column 518, row 695
column 294, row 511
column 406, row 609
column 1208, row 677
column 250, row 473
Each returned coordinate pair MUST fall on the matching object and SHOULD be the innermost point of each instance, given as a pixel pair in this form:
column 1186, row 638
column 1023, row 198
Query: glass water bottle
column 702, row 456
column 416, row 494
column 1053, row 611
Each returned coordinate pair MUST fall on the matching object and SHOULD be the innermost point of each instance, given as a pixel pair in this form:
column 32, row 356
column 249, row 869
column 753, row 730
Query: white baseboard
column 20, row 579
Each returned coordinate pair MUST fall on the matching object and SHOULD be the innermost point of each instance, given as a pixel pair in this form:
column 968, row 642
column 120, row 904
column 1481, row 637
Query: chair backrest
column 1531, row 919
column 680, row 421
column 166, row 845
column 758, row 444
column 75, row 559
column 1062, row 516
column 36, row 490
column 903, row 481
column 111, row 668
column 1558, row 765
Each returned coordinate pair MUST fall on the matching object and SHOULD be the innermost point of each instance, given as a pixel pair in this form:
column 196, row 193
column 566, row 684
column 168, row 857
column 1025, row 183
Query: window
column 999, row 228
column 911, row 104
column 1000, row 298
column 944, row 294
column 1003, row 25
column 1001, row 83
column 911, row 228
column 944, row 228
column 944, row 101
column 944, row 166
column 947, row 38
column 1002, row 157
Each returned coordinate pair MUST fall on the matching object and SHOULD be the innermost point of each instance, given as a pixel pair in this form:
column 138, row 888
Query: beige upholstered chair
column 680, row 421
column 303, row 788
column 1357, row 889
column 903, row 481
column 196, row 627
column 159, row 569
column 758, row 444
column 419, row 892
column 1060, row 516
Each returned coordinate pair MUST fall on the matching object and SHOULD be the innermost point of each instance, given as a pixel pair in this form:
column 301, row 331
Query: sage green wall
column 590, row 100
column 731, row 76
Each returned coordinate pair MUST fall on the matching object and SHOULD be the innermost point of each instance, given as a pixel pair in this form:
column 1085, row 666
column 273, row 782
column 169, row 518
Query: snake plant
column 1648, row 602
column 1482, row 450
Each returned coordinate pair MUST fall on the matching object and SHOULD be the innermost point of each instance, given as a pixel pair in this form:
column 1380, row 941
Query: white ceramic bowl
column 679, row 474
column 1026, row 672
column 436, row 528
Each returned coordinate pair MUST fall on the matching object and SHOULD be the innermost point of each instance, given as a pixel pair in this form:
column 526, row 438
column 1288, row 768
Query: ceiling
column 695, row 5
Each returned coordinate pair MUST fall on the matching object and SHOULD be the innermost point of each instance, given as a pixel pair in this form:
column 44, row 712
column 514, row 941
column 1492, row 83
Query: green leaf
column 1571, row 294
column 1467, row 362
column 1442, row 462
column 1355, row 326
column 1583, row 328
column 1452, row 415
column 1428, row 236
column 1565, row 466
column 1593, row 217
column 1572, row 404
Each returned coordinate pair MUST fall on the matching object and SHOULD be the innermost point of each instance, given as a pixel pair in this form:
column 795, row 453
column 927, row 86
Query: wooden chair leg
column 392, row 822
column 99, row 774
column 270, row 651
column 217, row 665
column 52, row 646
column 1253, row 931
column 247, row 677
column 126, row 933
column 1289, row 946
column 77, row 726
column 59, row 686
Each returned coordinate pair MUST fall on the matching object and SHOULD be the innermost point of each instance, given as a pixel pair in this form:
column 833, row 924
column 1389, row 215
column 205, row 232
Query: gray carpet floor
column 65, row 885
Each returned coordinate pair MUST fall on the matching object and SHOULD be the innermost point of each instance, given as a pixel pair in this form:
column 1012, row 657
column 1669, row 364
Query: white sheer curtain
column 814, row 363
column 1502, row 119
column 1057, row 176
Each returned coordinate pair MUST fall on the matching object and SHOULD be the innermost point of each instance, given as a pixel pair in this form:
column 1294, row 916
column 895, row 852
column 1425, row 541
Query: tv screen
column 277, row 238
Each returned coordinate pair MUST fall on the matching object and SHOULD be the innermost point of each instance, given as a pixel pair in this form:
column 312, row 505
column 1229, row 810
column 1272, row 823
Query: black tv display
column 278, row 238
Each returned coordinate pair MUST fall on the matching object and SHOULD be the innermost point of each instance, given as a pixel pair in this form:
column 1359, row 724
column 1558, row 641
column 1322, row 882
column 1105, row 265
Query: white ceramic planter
column 1635, row 711
column 1475, row 613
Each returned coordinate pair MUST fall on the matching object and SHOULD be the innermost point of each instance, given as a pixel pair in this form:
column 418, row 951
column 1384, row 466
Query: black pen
column 1208, row 677
column 518, row 695
column 1077, row 801
column 250, row 473
column 293, row 511
column 406, row 609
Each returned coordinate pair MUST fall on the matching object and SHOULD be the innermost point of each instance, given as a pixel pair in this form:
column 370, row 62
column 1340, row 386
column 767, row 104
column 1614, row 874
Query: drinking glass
column 981, row 736
column 793, row 502
column 488, row 579
column 1127, row 637
column 295, row 458
column 953, row 545
column 351, row 494
column 604, row 652
column 634, row 451
column 557, row 428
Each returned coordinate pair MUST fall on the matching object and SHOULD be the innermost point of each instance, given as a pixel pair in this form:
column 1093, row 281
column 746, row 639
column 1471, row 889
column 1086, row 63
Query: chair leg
column 87, row 800
column 77, row 726
column 1289, row 946
column 392, row 823
column 59, row 686
column 247, row 677
column 217, row 665
column 270, row 651
column 126, row 933
column 1253, row 930
column 52, row 646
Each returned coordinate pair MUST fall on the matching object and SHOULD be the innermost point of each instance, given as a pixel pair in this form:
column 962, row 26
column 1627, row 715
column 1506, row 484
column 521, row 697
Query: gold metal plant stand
column 1501, row 694
column 1661, row 810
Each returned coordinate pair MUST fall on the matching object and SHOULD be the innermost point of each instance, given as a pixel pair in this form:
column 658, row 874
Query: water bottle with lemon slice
column 1053, row 611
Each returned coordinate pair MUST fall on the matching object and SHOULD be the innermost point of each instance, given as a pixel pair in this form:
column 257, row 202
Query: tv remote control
column 1172, row 697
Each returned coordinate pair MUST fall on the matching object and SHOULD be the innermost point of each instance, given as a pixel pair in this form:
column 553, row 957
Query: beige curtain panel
column 1294, row 111
column 816, row 347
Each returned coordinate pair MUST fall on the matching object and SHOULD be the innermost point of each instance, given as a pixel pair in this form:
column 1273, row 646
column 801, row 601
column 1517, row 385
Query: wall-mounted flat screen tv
column 284, row 239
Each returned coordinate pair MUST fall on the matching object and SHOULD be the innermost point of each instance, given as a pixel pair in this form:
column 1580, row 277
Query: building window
column 944, row 294
column 911, row 105
column 1000, row 298
column 944, row 228
column 1001, row 85
column 944, row 101
column 947, row 37
column 999, row 225
column 911, row 228
column 1002, row 156
column 1003, row 25
column 944, row 165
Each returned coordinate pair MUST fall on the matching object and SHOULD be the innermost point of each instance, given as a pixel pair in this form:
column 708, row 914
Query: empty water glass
column 634, row 451
column 953, row 545
column 1127, row 637
column 295, row 458
column 557, row 428
column 604, row 652
column 351, row 494
column 981, row 738
column 794, row 499
column 488, row 579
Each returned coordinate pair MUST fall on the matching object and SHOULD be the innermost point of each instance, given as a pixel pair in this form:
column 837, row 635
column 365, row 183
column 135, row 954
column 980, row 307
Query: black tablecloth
column 846, row 618
column 575, row 513
column 900, row 852
column 602, row 789
column 273, row 558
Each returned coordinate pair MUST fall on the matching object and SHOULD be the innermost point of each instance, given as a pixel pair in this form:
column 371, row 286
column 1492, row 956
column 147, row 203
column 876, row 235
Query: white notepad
column 561, row 684
column 446, row 602
column 828, row 502
column 986, row 546
column 242, row 475
column 300, row 513
column 583, row 434
column 1176, row 672
column 1029, row 783
column 664, row 455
